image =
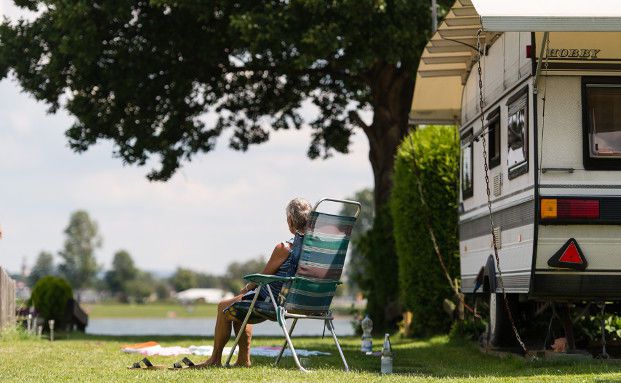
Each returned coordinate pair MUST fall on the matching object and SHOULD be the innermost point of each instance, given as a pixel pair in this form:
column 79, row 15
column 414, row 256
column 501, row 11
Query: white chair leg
column 283, row 326
column 243, row 326
column 284, row 346
column 336, row 341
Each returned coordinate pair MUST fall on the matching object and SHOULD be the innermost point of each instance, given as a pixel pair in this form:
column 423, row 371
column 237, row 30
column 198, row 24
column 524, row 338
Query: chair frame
column 282, row 315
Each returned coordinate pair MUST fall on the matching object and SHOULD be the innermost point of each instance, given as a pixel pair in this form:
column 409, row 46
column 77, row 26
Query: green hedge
column 380, row 284
column 49, row 297
column 422, row 283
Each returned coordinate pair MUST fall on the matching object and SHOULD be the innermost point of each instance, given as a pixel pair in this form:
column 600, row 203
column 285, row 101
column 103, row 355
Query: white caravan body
column 552, row 130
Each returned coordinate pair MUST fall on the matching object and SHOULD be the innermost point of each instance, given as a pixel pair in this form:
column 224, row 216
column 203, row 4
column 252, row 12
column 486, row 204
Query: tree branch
column 355, row 118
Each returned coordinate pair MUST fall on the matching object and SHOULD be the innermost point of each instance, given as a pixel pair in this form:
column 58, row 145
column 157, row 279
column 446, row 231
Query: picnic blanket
column 154, row 348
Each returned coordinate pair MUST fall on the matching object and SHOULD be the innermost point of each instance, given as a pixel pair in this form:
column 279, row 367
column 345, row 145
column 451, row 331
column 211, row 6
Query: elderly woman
column 282, row 262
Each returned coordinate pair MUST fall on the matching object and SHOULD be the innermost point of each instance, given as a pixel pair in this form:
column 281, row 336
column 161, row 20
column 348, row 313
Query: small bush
column 469, row 329
column 15, row 333
column 50, row 296
column 422, row 284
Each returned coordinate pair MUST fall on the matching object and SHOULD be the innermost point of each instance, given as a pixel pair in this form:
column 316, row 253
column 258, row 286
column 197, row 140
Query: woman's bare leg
column 222, row 332
column 243, row 356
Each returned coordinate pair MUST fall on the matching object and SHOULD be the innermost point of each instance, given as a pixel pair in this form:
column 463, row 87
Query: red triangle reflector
column 569, row 256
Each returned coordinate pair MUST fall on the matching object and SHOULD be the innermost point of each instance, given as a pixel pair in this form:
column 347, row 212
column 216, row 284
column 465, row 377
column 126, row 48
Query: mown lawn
column 150, row 310
column 98, row 359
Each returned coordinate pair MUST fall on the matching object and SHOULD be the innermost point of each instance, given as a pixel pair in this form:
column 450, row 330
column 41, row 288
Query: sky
column 222, row 207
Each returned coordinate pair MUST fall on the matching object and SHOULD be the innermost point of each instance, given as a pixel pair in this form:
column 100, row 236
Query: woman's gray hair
column 298, row 211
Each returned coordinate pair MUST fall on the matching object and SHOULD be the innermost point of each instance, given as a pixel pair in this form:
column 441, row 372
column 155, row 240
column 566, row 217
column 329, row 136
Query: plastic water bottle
column 367, row 340
column 386, row 361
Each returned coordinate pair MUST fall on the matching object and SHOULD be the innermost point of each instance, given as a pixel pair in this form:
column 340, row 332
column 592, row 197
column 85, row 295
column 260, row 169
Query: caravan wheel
column 500, row 333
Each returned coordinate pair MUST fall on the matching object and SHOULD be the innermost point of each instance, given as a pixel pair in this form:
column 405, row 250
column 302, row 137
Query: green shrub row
column 422, row 283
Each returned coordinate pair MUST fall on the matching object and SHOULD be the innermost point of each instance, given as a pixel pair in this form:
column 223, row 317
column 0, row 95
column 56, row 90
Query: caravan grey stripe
column 580, row 186
column 499, row 199
column 512, row 282
column 503, row 273
column 509, row 218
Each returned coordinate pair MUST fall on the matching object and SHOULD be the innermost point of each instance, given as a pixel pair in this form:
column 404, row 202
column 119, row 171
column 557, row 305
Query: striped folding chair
column 308, row 294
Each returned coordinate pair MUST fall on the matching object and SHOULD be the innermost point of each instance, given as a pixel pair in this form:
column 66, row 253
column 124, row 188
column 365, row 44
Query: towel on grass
column 275, row 350
column 154, row 348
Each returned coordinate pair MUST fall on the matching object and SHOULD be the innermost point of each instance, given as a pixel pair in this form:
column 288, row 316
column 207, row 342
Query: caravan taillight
column 569, row 208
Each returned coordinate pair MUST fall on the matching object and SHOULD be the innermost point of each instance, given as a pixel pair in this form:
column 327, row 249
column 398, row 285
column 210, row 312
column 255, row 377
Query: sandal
column 179, row 366
column 147, row 365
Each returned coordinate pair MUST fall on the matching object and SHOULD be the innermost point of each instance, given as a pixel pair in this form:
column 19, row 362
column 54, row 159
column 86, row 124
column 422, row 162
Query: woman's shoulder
column 284, row 246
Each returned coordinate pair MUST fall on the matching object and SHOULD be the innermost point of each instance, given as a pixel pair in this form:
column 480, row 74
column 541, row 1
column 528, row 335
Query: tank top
column 287, row 268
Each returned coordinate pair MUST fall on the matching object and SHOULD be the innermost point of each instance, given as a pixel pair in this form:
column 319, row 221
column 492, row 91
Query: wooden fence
column 7, row 299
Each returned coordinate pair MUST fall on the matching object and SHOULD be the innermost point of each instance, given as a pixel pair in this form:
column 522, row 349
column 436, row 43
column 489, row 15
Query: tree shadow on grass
column 439, row 358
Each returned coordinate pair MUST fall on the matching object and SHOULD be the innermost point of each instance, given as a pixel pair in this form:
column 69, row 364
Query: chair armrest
column 263, row 279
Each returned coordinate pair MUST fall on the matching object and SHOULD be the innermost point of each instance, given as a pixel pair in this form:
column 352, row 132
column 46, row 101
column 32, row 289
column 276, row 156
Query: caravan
column 540, row 129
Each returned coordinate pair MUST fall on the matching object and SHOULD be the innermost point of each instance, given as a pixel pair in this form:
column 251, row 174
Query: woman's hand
column 247, row 288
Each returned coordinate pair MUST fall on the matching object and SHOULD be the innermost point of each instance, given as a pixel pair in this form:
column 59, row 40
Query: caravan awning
column 549, row 15
column 450, row 54
column 445, row 65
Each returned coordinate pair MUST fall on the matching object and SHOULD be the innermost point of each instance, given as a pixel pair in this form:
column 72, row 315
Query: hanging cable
column 489, row 198
column 543, row 100
column 603, row 327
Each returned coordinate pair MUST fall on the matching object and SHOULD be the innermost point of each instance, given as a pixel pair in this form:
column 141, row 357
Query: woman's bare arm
column 279, row 255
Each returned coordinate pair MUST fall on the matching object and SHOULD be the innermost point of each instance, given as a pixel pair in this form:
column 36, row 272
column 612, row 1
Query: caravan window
column 493, row 138
column 517, row 135
column 603, row 117
column 466, row 165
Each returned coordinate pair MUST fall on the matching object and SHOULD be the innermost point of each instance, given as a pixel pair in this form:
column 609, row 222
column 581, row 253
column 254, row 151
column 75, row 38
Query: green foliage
column 356, row 266
column 380, row 282
column 142, row 74
column 423, row 285
column 139, row 288
column 591, row 327
column 233, row 279
column 162, row 289
column 79, row 265
column 43, row 266
column 469, row 329
column 183, row 279
column 16, row 333
column 126, row 281
column 50, row 296
column 123, row 272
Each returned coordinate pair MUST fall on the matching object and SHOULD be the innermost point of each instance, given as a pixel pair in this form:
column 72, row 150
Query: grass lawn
column 98, row 359
column 150, row 310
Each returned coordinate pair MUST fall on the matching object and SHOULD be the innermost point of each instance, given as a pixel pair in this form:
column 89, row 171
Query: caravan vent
column 497, row 235
column 498, row 185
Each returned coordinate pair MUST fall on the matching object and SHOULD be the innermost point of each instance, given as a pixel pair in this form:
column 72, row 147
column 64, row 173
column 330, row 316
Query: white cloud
column 223, row 206
column 8, row 9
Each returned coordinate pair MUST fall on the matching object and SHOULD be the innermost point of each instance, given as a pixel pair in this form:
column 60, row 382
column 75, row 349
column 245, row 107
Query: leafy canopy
column 44, row 266
column 79, row 265
column 164, row 78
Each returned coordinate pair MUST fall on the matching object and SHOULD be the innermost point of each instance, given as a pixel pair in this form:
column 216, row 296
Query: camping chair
column 309, row 293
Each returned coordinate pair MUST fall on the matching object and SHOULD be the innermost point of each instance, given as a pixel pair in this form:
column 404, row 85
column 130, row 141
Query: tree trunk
column 392, row 90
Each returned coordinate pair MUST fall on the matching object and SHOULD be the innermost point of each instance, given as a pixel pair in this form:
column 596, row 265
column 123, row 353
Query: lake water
column 204, row 327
